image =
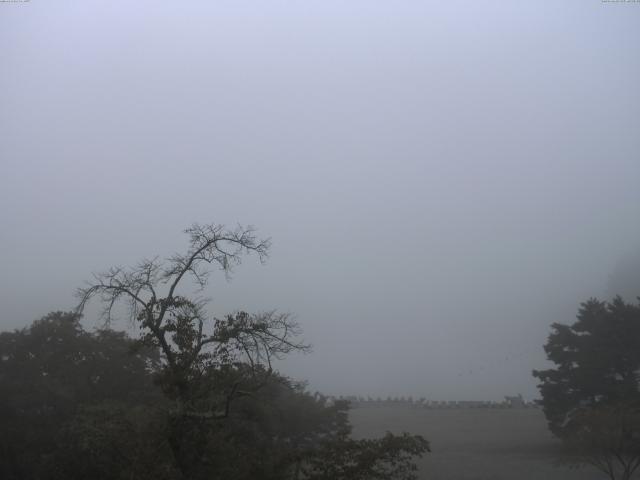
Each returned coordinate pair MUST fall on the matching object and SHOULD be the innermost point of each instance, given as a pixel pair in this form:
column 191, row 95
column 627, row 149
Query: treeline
column 356, row 401
column 79, row 404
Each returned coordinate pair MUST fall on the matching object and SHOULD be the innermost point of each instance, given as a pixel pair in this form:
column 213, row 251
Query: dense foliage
column 190, row 398
column 78, row 404
column 52, row 375
column 592, row 397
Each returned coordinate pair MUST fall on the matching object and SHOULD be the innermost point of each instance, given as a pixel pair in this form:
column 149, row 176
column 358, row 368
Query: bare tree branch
column 193, row 347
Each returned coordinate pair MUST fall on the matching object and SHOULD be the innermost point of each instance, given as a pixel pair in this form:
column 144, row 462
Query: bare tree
column 209, row 364
column 206, row 363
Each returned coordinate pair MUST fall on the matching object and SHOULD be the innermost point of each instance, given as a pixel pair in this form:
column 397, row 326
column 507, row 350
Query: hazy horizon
column 441, row 180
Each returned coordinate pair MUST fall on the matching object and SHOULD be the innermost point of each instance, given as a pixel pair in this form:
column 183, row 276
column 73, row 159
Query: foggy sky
column 441, row 180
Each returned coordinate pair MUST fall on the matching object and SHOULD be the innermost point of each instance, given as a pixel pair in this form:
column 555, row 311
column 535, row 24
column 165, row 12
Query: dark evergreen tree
column 591, row 398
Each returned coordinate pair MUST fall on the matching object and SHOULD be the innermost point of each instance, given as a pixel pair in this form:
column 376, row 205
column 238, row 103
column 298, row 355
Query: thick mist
column 441, row 180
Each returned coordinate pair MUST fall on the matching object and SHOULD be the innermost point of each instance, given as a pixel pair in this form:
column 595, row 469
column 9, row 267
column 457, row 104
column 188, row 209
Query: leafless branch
column 178, row 326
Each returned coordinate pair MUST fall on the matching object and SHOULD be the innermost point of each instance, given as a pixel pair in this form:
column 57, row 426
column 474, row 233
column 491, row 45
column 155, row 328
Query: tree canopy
column 591, row 398
column 53, row 370
column 191, row 397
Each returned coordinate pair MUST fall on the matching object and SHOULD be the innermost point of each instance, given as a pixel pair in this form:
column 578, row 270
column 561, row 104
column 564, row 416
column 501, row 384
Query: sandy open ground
column 476, row 444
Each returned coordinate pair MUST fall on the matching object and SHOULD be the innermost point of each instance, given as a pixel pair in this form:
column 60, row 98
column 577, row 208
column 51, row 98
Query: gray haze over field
column 441, row 180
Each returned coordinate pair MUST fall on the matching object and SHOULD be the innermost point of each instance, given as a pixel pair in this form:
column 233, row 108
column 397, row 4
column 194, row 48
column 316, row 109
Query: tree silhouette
column 218, row 375
column 591, row 399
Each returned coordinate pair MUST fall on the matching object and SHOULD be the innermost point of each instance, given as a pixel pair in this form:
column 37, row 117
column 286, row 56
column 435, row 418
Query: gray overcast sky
column 441, row 180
